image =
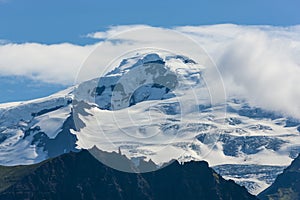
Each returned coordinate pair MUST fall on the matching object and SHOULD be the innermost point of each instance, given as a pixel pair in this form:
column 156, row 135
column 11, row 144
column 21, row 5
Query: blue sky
column 22, row 88
column 58, row 21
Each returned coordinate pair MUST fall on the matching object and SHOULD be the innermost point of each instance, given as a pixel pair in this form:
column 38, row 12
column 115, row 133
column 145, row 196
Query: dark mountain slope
column 81, row 176
column 286, row 185
column 10, row 175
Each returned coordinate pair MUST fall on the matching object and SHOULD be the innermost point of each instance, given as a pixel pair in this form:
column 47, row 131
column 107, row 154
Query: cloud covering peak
column 259, row 63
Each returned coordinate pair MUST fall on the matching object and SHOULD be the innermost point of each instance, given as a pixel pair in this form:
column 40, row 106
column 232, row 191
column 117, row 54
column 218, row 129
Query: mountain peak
column 152, row 106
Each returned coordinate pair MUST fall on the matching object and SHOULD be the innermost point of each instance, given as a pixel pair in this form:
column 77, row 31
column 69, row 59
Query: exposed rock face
column 81, row 176
column 286, row 185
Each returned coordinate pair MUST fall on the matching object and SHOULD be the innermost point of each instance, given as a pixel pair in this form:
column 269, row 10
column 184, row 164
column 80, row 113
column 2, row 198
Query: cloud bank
column 260, row 63
column 57, row 63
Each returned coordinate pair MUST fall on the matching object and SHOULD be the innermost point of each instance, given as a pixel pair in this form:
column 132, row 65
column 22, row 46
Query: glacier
column 153, row 106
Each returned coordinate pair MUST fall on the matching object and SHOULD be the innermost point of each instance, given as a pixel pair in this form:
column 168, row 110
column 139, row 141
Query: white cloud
column 261, row 63
column 49, row 63
column 265, row 69
column 113, row 31
column 3, row 41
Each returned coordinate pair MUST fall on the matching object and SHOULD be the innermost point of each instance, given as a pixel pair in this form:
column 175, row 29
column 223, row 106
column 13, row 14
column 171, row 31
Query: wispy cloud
column 113, row 31
column 4, row 42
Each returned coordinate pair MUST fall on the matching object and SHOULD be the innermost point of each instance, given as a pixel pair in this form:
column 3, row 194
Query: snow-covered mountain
column 153, row 106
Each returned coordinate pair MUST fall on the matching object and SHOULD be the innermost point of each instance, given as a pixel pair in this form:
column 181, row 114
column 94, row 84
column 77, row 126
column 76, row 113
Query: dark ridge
column 81, row 176
column 286, row 185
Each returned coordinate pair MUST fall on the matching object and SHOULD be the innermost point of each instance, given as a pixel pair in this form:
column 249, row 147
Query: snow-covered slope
column 32, row 131
column 155, row 107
